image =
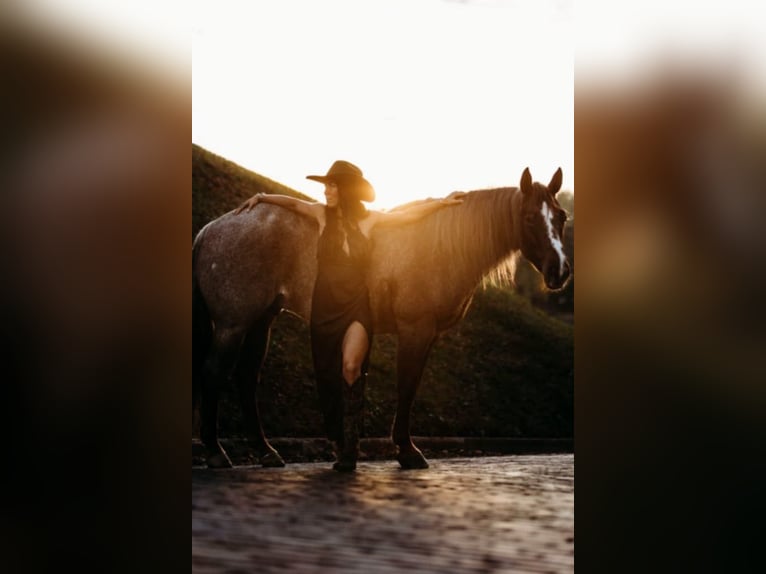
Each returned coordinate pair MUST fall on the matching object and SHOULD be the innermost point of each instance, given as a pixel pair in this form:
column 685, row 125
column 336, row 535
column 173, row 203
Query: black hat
column 346, row 172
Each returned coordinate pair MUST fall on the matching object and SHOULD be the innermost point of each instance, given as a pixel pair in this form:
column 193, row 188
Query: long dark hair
column 348, row 199
column 345, row 226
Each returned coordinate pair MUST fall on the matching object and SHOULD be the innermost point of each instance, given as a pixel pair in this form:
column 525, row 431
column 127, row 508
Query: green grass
column 506, row 370
column 219, row 185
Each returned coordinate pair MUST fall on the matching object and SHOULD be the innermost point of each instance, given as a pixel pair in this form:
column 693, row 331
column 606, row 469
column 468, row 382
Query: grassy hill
column 506, row 370
column 219, row 185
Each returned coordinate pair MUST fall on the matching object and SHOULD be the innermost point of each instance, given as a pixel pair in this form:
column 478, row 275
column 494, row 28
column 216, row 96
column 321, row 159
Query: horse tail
column 202, row 327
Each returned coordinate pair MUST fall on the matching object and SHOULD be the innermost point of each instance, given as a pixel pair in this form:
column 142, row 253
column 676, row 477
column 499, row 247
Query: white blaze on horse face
column 553, row 236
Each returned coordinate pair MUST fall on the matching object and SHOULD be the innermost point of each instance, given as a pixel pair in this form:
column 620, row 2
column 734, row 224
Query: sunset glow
column 426, row 97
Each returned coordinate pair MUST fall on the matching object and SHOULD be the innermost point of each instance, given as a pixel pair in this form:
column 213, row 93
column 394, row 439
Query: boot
column 330, row 393
column 353, row 402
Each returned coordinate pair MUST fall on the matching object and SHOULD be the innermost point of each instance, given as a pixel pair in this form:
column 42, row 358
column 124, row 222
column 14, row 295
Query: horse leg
column 248, row 376
column 218, row 365
column 412, row 352
column 198, row 366
column 202, row 337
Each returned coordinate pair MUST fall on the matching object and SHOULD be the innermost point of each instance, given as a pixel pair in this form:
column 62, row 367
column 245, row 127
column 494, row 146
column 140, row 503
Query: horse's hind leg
column 412, row 352
column 202, row 337
column 248, row 376
column 218, row 366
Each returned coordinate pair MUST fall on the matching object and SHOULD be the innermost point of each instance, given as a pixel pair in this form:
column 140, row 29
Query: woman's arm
column 417, row 210
column 311, row 209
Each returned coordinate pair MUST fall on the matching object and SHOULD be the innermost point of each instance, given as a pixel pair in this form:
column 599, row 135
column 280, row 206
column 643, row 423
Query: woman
column 341, row 318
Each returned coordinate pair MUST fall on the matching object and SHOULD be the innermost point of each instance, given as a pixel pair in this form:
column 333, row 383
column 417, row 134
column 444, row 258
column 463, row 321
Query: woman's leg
column 355, row 351
column 326, row 351
column 355, row 347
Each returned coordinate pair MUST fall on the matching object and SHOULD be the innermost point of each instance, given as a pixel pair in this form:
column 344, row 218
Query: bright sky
column 425, row 96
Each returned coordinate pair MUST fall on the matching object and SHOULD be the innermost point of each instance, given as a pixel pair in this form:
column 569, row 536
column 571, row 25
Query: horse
column 248, row 268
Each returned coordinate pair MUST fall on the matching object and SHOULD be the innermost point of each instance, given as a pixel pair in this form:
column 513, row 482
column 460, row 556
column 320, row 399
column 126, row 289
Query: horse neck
column 486, row 235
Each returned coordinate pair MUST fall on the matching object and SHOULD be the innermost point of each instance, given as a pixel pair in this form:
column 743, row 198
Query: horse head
column 542, row 229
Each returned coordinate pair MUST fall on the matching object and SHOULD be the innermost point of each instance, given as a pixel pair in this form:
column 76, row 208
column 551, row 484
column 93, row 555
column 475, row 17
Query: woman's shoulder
column 371, row 216
column 368, row 220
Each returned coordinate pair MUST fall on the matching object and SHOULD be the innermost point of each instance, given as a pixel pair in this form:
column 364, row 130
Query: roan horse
column 247, row 268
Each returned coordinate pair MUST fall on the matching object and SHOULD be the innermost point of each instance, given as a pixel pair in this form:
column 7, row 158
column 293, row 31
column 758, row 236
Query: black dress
column 340, row 297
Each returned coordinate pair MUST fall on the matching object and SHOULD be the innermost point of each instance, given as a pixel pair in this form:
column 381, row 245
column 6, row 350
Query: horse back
column 244, row 263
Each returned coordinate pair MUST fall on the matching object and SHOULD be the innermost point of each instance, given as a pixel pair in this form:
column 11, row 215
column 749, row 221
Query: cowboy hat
column 347, row 173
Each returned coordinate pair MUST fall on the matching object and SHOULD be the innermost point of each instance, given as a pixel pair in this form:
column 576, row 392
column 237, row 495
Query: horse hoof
column 412, row 460
column 345, row 466
column 272, row 460
column 219, row 460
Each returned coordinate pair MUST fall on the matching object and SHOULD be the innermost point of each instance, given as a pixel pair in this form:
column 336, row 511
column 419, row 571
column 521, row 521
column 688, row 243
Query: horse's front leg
column 415, row 342
column 248, row 375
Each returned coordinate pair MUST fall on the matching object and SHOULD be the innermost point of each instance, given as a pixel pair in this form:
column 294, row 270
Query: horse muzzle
column 556, row 276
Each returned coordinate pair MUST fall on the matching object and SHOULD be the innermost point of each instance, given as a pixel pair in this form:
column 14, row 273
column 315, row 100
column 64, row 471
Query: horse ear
column 526, row 181
column 555, row 183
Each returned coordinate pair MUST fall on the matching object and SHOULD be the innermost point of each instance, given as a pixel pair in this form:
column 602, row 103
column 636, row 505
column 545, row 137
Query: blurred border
column 669, row 148
column 670, row 142
column 96, row 208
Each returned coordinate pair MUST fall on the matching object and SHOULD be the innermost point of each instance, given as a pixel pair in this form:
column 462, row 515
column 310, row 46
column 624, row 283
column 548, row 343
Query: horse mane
column 480, row 237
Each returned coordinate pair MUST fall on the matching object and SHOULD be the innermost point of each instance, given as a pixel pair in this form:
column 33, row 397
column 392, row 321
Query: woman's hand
column 454, row 198
column 249, row 204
